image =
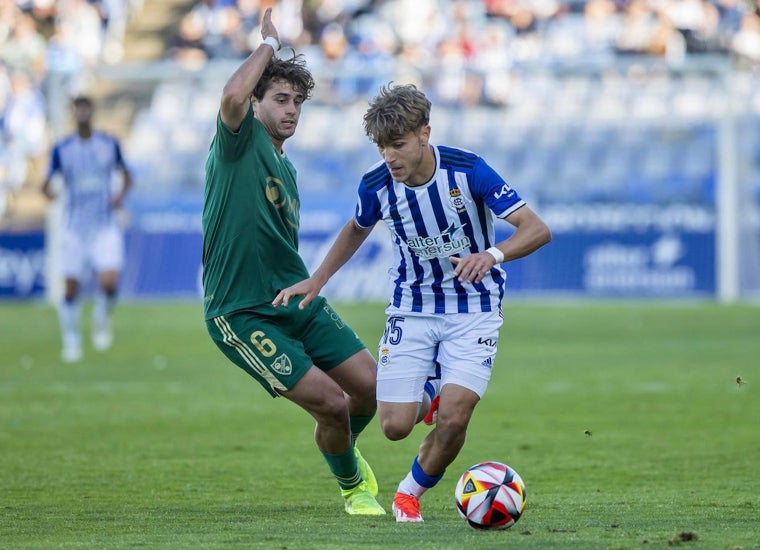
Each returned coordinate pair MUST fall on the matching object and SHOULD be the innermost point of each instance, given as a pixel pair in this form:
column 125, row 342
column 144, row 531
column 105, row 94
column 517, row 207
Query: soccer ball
column 490, row 495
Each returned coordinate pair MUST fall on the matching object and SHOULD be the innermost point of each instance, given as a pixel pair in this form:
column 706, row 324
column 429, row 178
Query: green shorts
column 277, row 346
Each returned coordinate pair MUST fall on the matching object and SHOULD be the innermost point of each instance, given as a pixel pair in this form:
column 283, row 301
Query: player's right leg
column 406, row 355
column 69, row 316
column 69, row 310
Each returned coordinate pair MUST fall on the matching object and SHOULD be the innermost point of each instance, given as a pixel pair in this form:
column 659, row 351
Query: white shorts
column 462, row 344
column 102, row 250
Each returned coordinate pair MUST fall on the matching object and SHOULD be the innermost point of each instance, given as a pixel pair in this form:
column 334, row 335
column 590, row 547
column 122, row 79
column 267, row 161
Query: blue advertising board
column 605, row 250
column 632, row 250
column 22, row 265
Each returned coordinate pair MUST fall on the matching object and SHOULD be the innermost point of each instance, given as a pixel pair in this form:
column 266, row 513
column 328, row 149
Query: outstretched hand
column 308, row 288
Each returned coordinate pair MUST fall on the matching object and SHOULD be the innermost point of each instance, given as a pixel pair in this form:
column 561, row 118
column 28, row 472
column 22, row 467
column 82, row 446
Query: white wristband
column 272, row 42
column 497, row 254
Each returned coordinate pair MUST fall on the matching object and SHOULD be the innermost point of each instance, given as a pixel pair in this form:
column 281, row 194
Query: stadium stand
column 619, row 100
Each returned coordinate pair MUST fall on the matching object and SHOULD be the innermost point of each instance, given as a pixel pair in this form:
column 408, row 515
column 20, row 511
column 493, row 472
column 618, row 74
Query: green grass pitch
column 628, row 422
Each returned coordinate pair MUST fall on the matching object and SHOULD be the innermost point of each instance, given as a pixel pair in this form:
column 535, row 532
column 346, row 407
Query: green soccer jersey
column 250, row 220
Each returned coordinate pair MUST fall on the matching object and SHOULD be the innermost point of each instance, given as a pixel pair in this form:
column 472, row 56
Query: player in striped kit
column 90, row 235
column 439, row 204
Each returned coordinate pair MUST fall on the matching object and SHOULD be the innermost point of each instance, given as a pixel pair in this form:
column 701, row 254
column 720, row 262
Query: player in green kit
column 250, row 252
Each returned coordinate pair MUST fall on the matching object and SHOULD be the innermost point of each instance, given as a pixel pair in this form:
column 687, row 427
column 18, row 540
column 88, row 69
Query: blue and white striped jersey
column 87, row 167
column 450, row 215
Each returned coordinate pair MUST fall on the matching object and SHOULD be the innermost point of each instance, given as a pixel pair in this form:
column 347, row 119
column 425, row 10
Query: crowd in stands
column 465, row 52
column 472, row 46
column 46, row 46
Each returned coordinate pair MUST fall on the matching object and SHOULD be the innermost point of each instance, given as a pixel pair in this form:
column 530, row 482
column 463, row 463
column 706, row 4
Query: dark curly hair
column 291, row 70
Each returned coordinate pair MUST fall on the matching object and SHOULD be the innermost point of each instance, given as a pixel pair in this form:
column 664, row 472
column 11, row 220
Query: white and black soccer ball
column 490, row 495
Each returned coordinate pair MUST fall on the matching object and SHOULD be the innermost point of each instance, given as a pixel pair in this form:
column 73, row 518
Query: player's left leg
column 107, row 256
column 337, row 350
column 442, row 445
column 324, row 400
column 69, row 316
column 105, row 299
column 72, row 254
column 433, row 396
column 356, row 377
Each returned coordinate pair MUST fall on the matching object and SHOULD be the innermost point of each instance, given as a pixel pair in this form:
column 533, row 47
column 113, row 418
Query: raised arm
column 236, row 95
column 345, row 246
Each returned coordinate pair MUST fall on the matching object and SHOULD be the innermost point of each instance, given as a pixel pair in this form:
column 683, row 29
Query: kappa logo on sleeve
column 505, row 190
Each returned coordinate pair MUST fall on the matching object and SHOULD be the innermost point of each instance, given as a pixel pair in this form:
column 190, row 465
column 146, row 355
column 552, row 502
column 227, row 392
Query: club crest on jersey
column 384, row 358
column 282, row 365
column 451, row 241
column 457, row 200
column 279, row 198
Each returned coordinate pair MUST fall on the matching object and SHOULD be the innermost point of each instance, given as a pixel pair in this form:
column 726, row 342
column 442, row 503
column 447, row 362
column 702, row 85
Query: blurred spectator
column 219, row 21
column 23, row 132
column 189, row 48
column 24, row 119
column 453, row 35
column 113, row 16
column 65, row 77
column 419, row 24
column 746, row 42
column 333, row 46
column 25, row 47
column 48, row 49
column 464, row 51
column 601, row 24
column 7, row 170
column 245, row 37
column 81, row 23
column 645, row 32
column 8, row 11
column 730, row 14
column 495, row 63
column 43, row 11
column 698, row 22
column 373, row 62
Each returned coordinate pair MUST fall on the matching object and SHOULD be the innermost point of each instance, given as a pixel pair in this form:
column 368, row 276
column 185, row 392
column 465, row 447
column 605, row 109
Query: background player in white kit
column 90, row 236
column 439, row 205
